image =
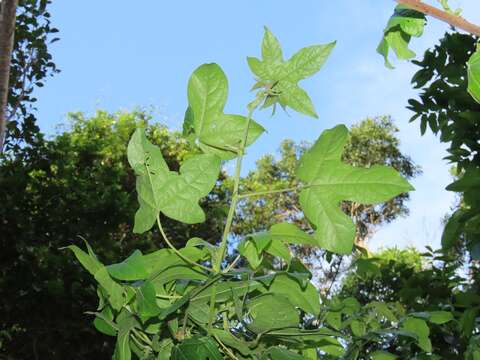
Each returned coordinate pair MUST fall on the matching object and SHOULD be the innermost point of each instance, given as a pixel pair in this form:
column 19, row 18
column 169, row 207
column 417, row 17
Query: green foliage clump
column 189, row 303
column 77, row 184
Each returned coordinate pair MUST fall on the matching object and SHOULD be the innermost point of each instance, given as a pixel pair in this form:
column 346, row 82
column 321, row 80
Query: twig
column 454, row 20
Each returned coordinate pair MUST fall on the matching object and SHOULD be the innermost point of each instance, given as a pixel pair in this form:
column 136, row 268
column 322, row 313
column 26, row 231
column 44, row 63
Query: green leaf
column 146, row 300
column 217, row 133
column 358, row 328
column 280, row 78
column 131, row 269
column 174, row 194
column 383, row 355
column 271, row 48
column 403, row 24
column 328, row 181
column 271, row 311
column 440, row 317
column 453, row 229
column 306, row 298
column 474, row 75
column 232, row 341
column 196, row 348
column 420, row 328
column 277, row 353
column 113, row 290
column 291, row 234
column 104, row 322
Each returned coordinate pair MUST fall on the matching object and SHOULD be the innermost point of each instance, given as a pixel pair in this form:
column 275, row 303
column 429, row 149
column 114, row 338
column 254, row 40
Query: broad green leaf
column 104, row 322
column 271, row 311
column 163, row 348
column 89, row 261
column 277, row 353
column 334, row 319
column 358, row 327
column 440, row 317
column 232, row 341
column 420, row 328
column 291, row 234
column 217, row 133
column 280, row 78
column 279, row 249
column 146, row 300
column 197, row 348
column 160, row 190
column 126, row 323
column 271, row 48
column 328, row 181
column 403, row 24
column 225, row 290
column 132, row 268
column 248, row 249
column 474, row 75
column 306, row 299
column 383, row 355
column 199, row 311
column 160, row 260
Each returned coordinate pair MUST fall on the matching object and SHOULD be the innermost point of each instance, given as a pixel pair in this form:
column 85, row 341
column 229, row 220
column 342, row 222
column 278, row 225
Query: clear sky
column 119, row 55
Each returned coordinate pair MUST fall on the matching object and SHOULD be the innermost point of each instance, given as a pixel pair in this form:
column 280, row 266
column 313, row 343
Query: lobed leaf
column 328, row 181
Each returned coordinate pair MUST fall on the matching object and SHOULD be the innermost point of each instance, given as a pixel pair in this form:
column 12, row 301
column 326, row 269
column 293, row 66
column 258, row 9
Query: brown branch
column 454, row 20
column 8, row 10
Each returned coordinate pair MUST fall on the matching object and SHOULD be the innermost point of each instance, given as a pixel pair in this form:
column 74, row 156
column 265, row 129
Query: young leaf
column 216, row 133
column 291, row 234
column 271, row 311
column 160, row 190
column 280, row 78
column 383, row 355
column 89, row 261
column 474, row 75
column 420, row 328
column 305, row 298
column 146, row 300
column 403, row 24
column 328, row 181
column 131, row 269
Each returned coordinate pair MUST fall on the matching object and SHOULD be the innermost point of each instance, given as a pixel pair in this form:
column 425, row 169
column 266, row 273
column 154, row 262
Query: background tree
column 77, row 184
column 30, row 64
column 420, row 283
column 446, row 107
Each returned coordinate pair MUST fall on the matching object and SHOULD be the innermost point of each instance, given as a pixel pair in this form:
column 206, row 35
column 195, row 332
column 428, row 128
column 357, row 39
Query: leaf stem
column 267, row 192
column 225, row 348
column 174, row 249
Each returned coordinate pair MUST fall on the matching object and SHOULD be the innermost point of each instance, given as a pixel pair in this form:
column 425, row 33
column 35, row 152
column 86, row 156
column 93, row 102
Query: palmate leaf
column 474, row 75
column 280, row 78
column 328, row 181
column 403, row 24
column 160, row 190
column 205, row 122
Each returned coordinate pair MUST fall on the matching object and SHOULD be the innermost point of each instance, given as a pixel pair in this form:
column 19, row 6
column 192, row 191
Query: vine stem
column 231, row 212
column 454, row 20
column 235, row 197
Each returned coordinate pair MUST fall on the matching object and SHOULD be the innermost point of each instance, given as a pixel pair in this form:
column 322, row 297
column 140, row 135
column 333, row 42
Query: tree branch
column 454, row 20
column 8, row 10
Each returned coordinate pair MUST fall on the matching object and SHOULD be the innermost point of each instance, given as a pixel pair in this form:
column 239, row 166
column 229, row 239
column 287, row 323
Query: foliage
column 447, row 108
column 372, row 141
column 432, row 286
column 77, row 184
column 31, row 64
column 189, row 303
column 403, row 24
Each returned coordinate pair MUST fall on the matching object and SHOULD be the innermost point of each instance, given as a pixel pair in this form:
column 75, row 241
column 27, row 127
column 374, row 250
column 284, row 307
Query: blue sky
column 117, row 55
